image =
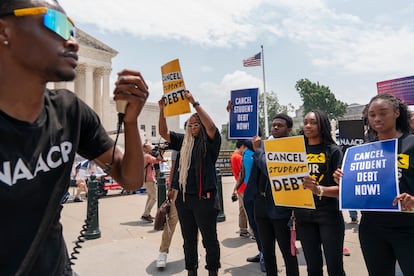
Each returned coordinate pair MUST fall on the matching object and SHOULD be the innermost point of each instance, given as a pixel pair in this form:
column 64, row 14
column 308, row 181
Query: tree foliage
column 226, row 144
column 316, row 96
column 273, row 108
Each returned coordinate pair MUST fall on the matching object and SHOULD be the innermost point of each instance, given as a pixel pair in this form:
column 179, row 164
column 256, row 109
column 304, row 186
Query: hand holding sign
column 337, row 175
column 189, row 97
column 406, row 200
column 256, row 142
column 310, row 183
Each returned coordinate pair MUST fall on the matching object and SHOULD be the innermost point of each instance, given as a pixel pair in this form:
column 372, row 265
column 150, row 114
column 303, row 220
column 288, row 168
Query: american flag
column 253, row 61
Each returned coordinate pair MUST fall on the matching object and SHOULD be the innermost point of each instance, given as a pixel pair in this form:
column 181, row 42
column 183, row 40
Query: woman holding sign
column 387, row 237
column 196, row 182
column 325, row 224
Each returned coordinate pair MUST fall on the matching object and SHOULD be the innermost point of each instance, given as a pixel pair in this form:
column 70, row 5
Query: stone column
column 107, row 120
column 80, row 87
column 97, row 93
column 89, row 84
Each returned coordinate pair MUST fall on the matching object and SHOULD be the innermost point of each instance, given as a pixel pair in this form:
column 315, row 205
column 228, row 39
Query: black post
column 161, row 189
column 92, row 229
column 221, row 216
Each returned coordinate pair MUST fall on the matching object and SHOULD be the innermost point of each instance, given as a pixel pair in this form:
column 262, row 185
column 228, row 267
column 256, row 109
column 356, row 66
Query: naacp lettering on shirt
column 55, row 157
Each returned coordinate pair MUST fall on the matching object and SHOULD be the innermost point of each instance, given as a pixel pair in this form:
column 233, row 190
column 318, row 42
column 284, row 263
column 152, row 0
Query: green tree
column 316, row 96
column 226, row 144
column 273, row 108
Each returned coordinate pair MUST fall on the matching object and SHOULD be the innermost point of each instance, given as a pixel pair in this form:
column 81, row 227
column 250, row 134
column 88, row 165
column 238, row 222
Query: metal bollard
column 161, row 189
column 221, row 216
column 92, row 229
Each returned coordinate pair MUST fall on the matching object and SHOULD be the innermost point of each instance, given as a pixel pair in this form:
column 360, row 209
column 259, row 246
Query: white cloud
column 349, row 44
column 214, row 23
column 333, row 39
column 349, row 47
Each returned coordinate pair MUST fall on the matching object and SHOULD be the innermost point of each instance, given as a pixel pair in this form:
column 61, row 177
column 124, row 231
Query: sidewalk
column 129, row 246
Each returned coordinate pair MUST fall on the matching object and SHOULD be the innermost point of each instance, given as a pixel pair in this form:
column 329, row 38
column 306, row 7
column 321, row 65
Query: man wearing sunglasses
column 43, row 129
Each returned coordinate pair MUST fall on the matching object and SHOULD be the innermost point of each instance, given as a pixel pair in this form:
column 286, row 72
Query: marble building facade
column 93, row 85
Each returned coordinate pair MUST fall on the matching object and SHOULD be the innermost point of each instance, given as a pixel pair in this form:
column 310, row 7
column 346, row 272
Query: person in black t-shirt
column 196, row 181
column 323, row 227
column 388, row 237
column 45, row 129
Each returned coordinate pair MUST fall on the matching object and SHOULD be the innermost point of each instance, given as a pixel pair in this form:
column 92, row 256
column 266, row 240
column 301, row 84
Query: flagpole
column 265, row 96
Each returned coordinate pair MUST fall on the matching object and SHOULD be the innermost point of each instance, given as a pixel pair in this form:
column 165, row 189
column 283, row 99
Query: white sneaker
column 162, row 260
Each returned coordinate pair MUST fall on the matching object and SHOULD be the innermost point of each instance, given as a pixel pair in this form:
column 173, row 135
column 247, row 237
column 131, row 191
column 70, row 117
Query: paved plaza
column 129, row 246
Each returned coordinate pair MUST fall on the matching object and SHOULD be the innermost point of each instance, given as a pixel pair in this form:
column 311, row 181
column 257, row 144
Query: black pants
column 249, row 207
column 322, row 227
column 271, row 230
column 199, row 214
column 383, row 244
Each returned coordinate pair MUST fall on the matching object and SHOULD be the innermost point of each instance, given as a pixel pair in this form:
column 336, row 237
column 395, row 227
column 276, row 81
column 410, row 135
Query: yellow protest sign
column 173, row 86
column 287, row 165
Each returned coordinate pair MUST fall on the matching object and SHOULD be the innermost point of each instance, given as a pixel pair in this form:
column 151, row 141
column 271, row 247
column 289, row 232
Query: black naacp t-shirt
column 34, row 158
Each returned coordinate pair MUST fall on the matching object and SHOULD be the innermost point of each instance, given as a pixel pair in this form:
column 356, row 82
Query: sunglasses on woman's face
column 54, row 20
column 193, row 125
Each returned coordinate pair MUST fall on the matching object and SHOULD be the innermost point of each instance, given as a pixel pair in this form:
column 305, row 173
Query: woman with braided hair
column 388, row 237
column 197, row 202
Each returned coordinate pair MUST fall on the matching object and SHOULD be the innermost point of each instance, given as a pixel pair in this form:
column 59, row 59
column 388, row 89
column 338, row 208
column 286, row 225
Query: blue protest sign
column 370, row 180
column 244, row 119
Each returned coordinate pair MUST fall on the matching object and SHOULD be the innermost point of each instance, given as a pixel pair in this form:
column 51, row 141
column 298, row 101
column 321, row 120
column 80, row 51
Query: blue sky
column 346, row 45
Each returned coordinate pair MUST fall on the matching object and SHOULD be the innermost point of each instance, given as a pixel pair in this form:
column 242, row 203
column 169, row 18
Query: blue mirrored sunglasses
column 54, row 20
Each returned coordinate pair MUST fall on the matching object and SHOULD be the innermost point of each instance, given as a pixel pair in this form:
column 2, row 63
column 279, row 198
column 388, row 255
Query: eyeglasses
column 56, row 21
column 193, row 125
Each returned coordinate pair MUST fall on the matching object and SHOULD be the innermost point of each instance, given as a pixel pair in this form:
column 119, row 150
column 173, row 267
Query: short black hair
column 287, row 118
column 10, row 5
column 248, row 143
column 239, row 143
